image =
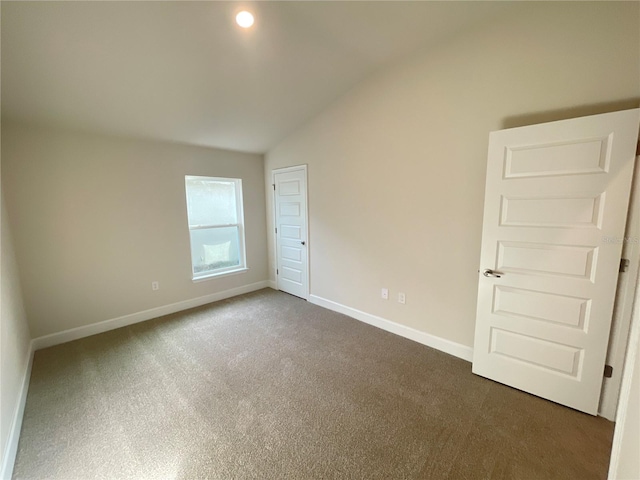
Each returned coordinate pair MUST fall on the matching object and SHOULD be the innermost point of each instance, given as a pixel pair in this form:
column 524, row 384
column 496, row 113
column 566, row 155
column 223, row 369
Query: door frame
column 622, row 320
column 275, row 171
column 629, row 337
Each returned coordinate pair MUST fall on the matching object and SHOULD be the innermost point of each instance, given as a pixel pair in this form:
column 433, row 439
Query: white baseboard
column 106, row 325
column 273, row 284
column 447, row 346
column 11, row 450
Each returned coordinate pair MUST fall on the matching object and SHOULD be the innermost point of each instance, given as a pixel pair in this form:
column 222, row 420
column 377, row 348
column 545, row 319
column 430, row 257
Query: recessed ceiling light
column 244, row 19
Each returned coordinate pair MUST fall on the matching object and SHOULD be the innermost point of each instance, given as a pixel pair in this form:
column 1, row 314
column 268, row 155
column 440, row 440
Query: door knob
column 303, row 242
column 490, row 273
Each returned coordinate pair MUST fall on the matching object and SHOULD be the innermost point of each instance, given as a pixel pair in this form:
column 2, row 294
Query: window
column 216, row 225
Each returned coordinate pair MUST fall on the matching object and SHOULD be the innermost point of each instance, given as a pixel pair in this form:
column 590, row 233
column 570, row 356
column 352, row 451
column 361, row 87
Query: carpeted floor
column 268, row 386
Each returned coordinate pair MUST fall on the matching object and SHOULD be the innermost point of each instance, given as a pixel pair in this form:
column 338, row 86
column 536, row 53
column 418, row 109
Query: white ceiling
column 184, row 72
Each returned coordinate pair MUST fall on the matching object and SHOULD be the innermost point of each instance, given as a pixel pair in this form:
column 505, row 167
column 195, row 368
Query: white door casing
column 623, row 306
column 290, row 210
column 556, row 201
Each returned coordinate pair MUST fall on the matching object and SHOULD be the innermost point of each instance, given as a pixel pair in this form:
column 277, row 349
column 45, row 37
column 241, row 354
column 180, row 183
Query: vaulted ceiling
column 184, row 72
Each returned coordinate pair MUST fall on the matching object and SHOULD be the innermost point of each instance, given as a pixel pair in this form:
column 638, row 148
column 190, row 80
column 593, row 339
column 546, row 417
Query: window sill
column 220, row 274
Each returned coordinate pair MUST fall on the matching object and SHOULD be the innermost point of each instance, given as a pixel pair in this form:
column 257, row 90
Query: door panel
column 291, row 230
column 554, row 193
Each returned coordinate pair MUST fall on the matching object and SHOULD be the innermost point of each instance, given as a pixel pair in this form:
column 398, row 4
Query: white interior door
column 555, row 210
column 290, row 190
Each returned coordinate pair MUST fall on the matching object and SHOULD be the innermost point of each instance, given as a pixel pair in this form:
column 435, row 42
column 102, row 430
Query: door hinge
column 277, row 272
column 624, row 264
column 274, row 186
column 608, row 371
column 276, row 229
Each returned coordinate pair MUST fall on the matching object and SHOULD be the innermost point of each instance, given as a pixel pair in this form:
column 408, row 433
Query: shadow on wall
column 568, row 113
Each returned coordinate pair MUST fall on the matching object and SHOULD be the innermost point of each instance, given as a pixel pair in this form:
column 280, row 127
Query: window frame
column 242, row 267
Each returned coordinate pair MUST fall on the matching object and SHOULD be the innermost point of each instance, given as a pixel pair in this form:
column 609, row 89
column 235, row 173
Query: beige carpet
column 268, row 386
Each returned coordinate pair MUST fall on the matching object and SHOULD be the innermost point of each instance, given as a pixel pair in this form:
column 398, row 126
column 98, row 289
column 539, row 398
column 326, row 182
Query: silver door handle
column 303, row 243
column 490, row 273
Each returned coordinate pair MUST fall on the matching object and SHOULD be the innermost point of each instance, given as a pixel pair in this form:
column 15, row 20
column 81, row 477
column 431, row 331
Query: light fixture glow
column 244, row 19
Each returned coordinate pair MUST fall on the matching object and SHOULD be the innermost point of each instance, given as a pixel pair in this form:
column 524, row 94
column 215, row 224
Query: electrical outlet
column 402, row 298
column 385, row 293
column 155, row 285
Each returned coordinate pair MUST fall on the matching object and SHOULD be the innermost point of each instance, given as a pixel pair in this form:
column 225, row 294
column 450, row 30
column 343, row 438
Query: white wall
column 397, row 166
column 96, row 219
column 14, row 346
